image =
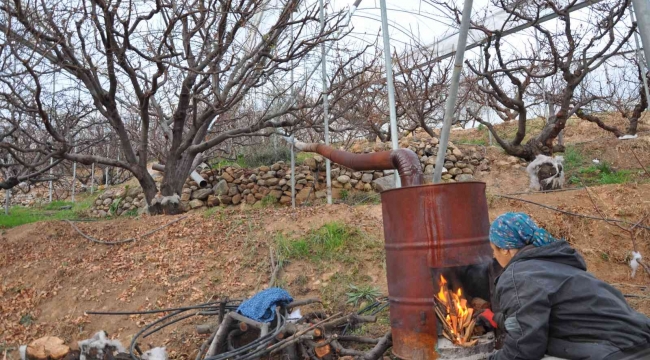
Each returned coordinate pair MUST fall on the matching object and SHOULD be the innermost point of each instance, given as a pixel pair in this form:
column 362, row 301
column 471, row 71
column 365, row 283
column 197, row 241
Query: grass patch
column 333, row 241
column 351, row 197
column 20, row 215
column 573, row 159
column 600, row 174
column 302, row 156
column 269, row 200
column 362, row 293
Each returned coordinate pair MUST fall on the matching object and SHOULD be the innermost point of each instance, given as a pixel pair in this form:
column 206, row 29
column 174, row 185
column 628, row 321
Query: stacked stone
column 119, row 201
column 270, row 184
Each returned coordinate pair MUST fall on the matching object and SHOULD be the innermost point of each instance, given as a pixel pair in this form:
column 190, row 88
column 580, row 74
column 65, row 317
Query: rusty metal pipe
column 405, row 161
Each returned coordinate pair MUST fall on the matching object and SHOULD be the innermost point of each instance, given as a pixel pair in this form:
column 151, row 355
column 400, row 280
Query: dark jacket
column 551, row 305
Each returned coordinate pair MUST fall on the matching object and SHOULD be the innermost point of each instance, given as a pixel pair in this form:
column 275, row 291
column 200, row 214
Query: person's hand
column 488, row 316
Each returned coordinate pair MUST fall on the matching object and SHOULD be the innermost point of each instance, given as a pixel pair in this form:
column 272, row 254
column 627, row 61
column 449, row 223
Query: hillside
column 51, row 275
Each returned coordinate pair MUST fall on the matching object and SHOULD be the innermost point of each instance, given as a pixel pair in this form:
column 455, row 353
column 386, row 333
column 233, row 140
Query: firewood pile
column 313, row 336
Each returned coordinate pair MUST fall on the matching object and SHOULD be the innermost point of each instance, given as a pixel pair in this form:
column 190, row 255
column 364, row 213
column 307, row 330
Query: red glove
column 488, row 315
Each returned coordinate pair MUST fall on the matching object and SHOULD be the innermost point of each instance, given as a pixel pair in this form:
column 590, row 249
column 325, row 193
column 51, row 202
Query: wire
column 572, row 213
column 116, row 242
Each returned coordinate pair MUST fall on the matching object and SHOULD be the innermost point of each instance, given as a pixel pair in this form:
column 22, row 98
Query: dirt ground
column 49, row 275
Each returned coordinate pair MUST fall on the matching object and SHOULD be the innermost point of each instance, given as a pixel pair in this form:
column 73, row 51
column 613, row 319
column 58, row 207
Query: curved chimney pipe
column 405, row 161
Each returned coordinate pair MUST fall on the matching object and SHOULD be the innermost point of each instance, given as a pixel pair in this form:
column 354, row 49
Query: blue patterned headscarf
column 516, row 230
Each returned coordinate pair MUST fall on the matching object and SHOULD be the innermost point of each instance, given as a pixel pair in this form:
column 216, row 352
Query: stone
column 213, row 201
column 357, row 175
column 302, row 181
column 455, row 171
column 303, row 195
column 282, row 182
column 193, row 188
column 232, row 191
column 347, row 186
column 464, row 177
column 246, row 192
column 186, row 197
column 264, row 168
column 461, row 165
column 457, row 153
column 261, row 182
column 343, row 179
column 335, row 173
column 48, row 347
column 384, row 183
column 311, row 162
column 102, row 213
column 108, row 201
column 276, row 167
column 388, row 172
column 250, row 199
column 201, row 194
column 353, row 182
column 447, row 176
column 236, row 199
column 268, row 175
column 225, row 200
column 468, row 171
column 196, row 203
column 513, row 159
column 253, row 178
column 336, row 184
column 451, row 158
column 359, row 185
column 259, row 196
column 429, row 169
column 434, row 141
column 299, row 176
column 134, row 191
column 227, row 177
column 503, row 163
column 221, row 188
column 367, row 187
column 377, row 175
column 431, row 161
column 448, row 165
column 366, row 178
column 285, row 200
column 321, row 194
column 276, row 194
column 98, row 202
column 272, row 182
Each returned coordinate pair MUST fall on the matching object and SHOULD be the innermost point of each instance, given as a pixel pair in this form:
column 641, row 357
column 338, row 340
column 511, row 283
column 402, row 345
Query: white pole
column 74, row 174
column 92, row 178
column 388, row 63
column 642, row 10
column 50, row 197
column 323, row 61
column 639, row 57
column 450, row 106
column 7, row 200
column 108, row 152
column 293, row 175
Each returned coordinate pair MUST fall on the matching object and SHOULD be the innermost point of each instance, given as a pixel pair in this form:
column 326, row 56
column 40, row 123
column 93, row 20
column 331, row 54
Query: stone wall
column 269, row 184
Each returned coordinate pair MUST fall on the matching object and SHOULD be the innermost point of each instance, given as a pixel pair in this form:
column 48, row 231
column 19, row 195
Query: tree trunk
column 174, row 176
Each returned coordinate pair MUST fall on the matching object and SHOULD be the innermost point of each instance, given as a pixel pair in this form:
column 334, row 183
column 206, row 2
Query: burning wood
column 454, row 315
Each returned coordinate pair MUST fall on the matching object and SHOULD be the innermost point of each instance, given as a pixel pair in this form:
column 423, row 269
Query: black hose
column 169, row 323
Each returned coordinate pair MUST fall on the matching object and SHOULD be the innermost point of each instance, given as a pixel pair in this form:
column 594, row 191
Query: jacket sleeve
column 526, row 310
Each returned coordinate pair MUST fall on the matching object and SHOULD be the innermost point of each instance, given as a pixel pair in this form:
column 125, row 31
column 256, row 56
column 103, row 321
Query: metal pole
column 293, row 175
column 7, row 200
column 388, row 64
column 92, row 178
column 453, row 90
column 639, row 57
column 323, row 62
column 51, row 113
column 74, row 174
column 642, row 10
column 108, row 151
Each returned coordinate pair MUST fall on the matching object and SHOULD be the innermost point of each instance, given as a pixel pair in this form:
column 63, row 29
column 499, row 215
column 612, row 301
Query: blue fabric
column 261, row 307
column 516, row 230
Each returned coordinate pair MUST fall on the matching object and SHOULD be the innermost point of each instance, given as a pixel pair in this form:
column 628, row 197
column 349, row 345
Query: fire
column 452, row 310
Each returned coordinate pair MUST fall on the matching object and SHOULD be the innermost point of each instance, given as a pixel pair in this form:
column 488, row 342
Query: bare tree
column 620, row 92
column 566, row 55
column 179, row 66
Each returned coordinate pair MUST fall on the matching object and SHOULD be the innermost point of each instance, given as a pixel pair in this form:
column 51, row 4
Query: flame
column 458, row 316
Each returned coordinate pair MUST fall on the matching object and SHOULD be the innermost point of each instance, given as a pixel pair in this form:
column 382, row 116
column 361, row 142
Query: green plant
column 603, row 174
column 344, row 194
column 361, row 198
column 269, row 200
column 573, row 159
column 26, row 320
column 358, row 294
column 115, row 206
column 323, row 243
column 131, row 213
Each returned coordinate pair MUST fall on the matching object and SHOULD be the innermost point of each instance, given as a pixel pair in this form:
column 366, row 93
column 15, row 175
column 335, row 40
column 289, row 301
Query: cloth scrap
column 261, row 307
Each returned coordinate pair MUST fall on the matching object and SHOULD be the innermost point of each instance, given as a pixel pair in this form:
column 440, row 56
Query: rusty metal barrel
column 428, row 226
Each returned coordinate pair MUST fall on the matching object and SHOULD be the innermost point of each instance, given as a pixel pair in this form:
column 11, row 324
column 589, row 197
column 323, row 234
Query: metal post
column 388, row 64
column 293, row 175
column 51, row 113
column 453, row 90
column 639, row 57
column 642, row 10
column 74, row 175
column 108, row 152
column 323, row 62
column 7, row 200
column 92, row 178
